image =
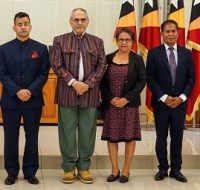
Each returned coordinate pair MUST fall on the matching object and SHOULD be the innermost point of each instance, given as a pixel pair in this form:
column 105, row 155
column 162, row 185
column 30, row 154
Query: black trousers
column 172, row 119
column 11, row 125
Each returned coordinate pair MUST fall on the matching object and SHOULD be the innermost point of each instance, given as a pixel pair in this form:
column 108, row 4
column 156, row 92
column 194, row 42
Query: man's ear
column 14, row 28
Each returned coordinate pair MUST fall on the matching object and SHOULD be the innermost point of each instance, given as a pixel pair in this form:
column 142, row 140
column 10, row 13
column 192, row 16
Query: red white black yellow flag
column 127, row 19
column 149, row 37
column 176, row 13
column 150, row 28
column 193, row 40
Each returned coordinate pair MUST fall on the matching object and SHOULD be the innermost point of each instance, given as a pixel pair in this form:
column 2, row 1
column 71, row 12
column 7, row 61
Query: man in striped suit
column 78, row 60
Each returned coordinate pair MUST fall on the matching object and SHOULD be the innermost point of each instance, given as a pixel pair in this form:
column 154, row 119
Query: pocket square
column 34, row 55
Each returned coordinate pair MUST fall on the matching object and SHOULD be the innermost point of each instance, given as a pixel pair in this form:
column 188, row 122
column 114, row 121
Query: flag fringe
column 193, row 45
column 195, row 108
column 149, row 115
column 142, row 49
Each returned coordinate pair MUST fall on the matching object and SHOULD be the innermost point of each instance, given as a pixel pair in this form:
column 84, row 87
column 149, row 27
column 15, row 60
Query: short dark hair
column 168, row 22
column 21, row 15
column 127, row 30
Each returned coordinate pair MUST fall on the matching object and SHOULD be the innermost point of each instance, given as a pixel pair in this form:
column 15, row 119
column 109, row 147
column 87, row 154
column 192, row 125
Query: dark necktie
column 172, row 65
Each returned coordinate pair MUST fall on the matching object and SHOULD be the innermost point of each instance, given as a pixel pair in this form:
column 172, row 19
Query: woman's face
column 124, row 42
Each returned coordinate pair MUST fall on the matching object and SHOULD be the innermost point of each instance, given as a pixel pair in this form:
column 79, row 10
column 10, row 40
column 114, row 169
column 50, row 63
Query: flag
column 149, row 37
column 193, row 40
column 176, row 13
column 127, row 19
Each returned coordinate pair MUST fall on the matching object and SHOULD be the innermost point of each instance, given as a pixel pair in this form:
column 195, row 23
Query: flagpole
column 149, row 125
column 194, row 121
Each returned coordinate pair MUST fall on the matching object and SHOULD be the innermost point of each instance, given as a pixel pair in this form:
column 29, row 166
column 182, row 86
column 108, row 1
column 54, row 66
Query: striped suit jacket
column 65, row 63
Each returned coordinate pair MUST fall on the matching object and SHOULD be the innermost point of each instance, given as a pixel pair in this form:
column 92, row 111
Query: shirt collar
column 167, row 47
column 77, row 35
column 22, row 42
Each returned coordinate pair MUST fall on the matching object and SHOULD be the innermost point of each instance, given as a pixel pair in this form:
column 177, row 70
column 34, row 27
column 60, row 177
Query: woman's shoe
column 112, row 178
column 123, row 178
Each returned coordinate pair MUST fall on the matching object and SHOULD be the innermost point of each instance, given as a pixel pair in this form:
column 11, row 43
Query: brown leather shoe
column 85, row 177
column 69, row 177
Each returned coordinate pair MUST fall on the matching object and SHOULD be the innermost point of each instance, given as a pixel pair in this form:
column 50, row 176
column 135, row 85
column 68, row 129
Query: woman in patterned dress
column 121, row 86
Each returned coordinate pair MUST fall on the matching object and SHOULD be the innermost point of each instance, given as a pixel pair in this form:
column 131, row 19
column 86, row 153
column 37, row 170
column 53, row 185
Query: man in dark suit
column 24, row 67
column 170, row 77
column 79, row 61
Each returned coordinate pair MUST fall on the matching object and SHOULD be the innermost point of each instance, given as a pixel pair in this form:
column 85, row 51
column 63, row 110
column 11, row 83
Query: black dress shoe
column 31, row 179
column 160, row 175
column 123, row 178
column 112, row 178
column 10, row 179
column 178, row 176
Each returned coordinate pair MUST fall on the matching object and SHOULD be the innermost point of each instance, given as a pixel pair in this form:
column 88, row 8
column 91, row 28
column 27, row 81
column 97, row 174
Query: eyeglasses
column 83, row 20
column 121, row 40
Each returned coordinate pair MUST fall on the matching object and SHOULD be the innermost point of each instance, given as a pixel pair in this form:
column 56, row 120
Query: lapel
column 180, row 56
column 110, row 56
column 68, row 42
column 131, row 64
column 163, row 56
